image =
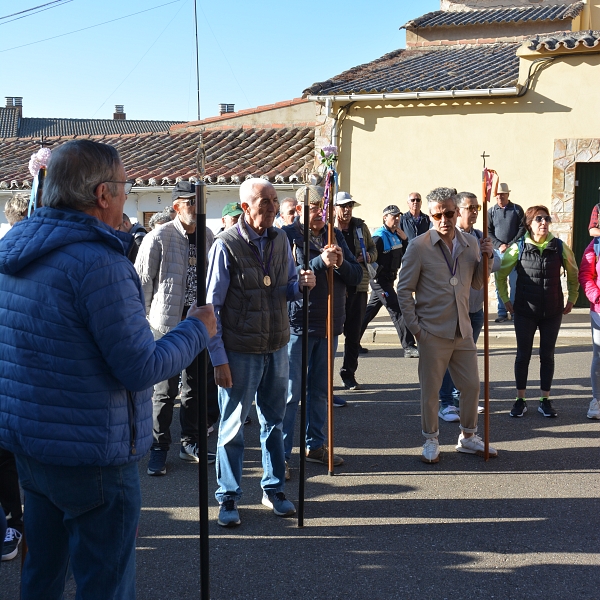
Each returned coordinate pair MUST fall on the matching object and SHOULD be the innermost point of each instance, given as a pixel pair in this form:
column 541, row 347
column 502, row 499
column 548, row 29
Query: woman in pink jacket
column 589, row 273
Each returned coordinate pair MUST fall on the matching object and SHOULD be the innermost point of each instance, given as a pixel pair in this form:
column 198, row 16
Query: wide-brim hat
column 315, row 194
column 183, row 189
column 503, row 188
column 342, row 198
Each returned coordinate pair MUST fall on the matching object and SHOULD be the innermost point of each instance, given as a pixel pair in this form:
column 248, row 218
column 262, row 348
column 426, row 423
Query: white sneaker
column 480, row 409
column 431, row 451
column 473, row 445
column 449, row 413
column 594, row 410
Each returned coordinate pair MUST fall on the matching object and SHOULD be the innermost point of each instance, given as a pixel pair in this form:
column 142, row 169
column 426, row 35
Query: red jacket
column 589, row 273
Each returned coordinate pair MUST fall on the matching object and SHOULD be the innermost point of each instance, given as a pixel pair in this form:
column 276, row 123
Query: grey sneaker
column 411, row 352
column 281, row 506
column 594, row 410
column 189, row 453
column 449, row 413
column 321, row 455
column 157, row 465
column 228, row 514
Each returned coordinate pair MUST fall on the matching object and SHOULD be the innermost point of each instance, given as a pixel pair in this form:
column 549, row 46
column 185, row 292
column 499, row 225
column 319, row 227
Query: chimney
column 119, row 114
column 15, row 102
column 226, row 108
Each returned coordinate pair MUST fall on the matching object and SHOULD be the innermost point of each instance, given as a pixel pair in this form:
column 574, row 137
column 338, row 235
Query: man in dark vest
column 137, row 231
column 251, row 277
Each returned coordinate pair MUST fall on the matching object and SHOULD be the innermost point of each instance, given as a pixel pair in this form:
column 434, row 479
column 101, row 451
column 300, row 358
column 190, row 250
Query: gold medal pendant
column 267, row 280
column 192, row 261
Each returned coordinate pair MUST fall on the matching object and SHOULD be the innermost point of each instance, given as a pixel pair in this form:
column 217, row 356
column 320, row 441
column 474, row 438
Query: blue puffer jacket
column 77, row 357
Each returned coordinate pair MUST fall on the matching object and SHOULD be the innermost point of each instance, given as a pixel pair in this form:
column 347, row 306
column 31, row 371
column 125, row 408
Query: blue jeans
column 264, row 376
column 316, row 393
column 449, row 395
column 87, row 514
column 512, row 284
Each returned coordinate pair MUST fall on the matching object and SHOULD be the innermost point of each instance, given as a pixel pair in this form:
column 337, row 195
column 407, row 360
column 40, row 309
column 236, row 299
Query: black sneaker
column 546, row 409
column 362, row 350
column 157, row 465
column 349, row 382
column 519, row 408
column 12, row 539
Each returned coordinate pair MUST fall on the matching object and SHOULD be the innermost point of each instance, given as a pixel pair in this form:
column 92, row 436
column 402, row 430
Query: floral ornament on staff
column 37, row 167
column 328, row 159
column 329, row 156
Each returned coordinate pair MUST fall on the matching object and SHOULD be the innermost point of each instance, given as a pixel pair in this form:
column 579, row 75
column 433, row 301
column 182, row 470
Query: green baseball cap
column 232, row 210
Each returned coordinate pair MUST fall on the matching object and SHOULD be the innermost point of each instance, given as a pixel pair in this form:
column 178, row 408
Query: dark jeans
column 10, row 493
column 448, row 393
column 87, row 516
column 384, row 294
column 525, row 328
column 356, row 304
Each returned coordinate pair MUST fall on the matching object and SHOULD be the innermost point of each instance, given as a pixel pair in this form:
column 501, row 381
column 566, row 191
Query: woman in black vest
column 539, row 301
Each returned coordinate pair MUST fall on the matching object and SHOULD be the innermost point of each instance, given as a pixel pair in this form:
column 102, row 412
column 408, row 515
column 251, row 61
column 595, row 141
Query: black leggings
column 525, row 328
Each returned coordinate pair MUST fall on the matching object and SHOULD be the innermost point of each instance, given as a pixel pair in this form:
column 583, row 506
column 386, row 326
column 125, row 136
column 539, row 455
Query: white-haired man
column 251, row 277
column 440, row 267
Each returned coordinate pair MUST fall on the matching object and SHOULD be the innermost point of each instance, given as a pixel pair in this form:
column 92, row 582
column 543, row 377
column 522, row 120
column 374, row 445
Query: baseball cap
column 183, row 189
column 342, row 198
column 392, row 209
column 232, row 209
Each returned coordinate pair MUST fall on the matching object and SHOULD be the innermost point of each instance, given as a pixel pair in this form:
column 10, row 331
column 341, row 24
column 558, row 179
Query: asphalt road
column 387, row 526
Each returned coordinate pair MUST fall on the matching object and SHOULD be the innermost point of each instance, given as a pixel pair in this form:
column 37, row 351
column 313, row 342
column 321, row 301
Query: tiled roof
column 414, row 70
column 9, row 122
column 442, row 18
column 157, row 159
column 33, row 127
column 566, row 39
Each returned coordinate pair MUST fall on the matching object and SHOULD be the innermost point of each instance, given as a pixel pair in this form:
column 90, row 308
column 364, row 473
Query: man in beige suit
column 440, row 267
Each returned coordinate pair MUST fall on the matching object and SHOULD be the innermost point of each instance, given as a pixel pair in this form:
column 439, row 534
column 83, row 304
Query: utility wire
column 141, row 59
column 34, row 8
column 90, row 27
column 36, row 12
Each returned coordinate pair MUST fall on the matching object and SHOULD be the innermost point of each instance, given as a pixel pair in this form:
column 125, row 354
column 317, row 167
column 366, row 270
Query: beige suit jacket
column 439, row 306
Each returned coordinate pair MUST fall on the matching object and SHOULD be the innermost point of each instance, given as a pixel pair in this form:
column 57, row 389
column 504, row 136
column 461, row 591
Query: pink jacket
column 589, row 273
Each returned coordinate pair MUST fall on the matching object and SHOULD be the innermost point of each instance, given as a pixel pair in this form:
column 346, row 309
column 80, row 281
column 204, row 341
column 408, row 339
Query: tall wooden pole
column 486, row 328
column 330, row 348
column 305, row 304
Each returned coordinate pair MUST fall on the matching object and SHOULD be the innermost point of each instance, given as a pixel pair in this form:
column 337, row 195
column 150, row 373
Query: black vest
column 539, row 291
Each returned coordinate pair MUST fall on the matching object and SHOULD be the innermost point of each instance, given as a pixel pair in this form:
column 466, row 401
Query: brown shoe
column 287, row 472
column 321, row 455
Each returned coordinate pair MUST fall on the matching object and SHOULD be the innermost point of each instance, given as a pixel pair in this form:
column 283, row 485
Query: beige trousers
column 459, row 355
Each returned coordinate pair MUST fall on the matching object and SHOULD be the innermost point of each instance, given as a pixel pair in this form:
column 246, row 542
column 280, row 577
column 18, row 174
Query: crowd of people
column 100, row 336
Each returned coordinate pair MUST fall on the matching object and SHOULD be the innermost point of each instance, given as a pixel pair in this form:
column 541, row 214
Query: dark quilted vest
column 539, row 291
column 254, row 316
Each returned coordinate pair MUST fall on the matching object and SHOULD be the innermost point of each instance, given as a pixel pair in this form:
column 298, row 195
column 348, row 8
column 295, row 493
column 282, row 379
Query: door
column 587, row 184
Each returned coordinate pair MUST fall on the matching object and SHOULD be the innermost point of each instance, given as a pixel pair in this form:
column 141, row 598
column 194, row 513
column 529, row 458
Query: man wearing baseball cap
column 359, row 241
column 230, row 215
column 389, row 243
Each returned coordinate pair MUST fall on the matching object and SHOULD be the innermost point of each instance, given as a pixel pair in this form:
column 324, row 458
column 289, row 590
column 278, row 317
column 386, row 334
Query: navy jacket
column 349, row 273
column 77, row 356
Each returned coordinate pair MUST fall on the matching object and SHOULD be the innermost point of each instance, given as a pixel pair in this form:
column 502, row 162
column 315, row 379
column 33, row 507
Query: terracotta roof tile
column 231, row 155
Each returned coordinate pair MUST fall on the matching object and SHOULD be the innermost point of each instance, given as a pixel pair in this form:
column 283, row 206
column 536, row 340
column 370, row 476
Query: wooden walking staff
column 202, row 363
column 305, row 292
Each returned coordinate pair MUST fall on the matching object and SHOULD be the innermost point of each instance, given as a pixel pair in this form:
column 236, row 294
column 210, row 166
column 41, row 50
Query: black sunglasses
column 540, row 218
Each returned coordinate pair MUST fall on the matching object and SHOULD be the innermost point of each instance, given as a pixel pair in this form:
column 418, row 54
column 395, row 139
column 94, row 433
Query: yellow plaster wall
column 389, row 149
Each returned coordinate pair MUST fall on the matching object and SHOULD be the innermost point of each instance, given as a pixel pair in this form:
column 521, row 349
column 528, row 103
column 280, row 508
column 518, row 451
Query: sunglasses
column 192, row 201
column 472, row 207
column 414, row 199
column 540, row 218
column 449, row 214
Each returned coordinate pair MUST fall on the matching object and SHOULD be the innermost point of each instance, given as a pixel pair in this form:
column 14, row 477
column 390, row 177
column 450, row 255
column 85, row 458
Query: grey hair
column 76, row 169
column 159, row 218
column 247, row 188
column 464, row 196
column 441, row 195
column 16, row 208
column 291, row 201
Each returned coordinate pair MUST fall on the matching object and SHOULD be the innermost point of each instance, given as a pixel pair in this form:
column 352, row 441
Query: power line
column 34, row 8
column 90, row 27
column 36, row 12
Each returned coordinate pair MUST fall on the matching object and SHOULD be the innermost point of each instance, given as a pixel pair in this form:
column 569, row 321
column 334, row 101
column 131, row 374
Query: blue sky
column 251, row 52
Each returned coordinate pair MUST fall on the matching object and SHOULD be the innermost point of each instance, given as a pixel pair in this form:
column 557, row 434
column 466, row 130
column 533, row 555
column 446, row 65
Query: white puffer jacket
column 162, row 263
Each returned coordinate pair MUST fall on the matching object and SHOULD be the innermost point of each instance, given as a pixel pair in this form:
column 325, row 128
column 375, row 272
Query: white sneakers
column 449, row 413
column 594, row 410
column 431, row 451
column 473, row 445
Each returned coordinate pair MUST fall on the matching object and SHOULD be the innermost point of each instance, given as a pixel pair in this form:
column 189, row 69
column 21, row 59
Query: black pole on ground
column 305, row 292
column 202, row 362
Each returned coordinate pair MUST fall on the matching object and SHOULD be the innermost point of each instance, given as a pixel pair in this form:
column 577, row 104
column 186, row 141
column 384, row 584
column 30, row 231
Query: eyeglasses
column 472, row 207
column 345, row 206
column 449, row 214
column 540, row 218
column 315, row 208
column 414, row 199
column 127, row 184
column 192, row 201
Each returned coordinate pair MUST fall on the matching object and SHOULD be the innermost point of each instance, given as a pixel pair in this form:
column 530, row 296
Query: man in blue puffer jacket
column 77, row 365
